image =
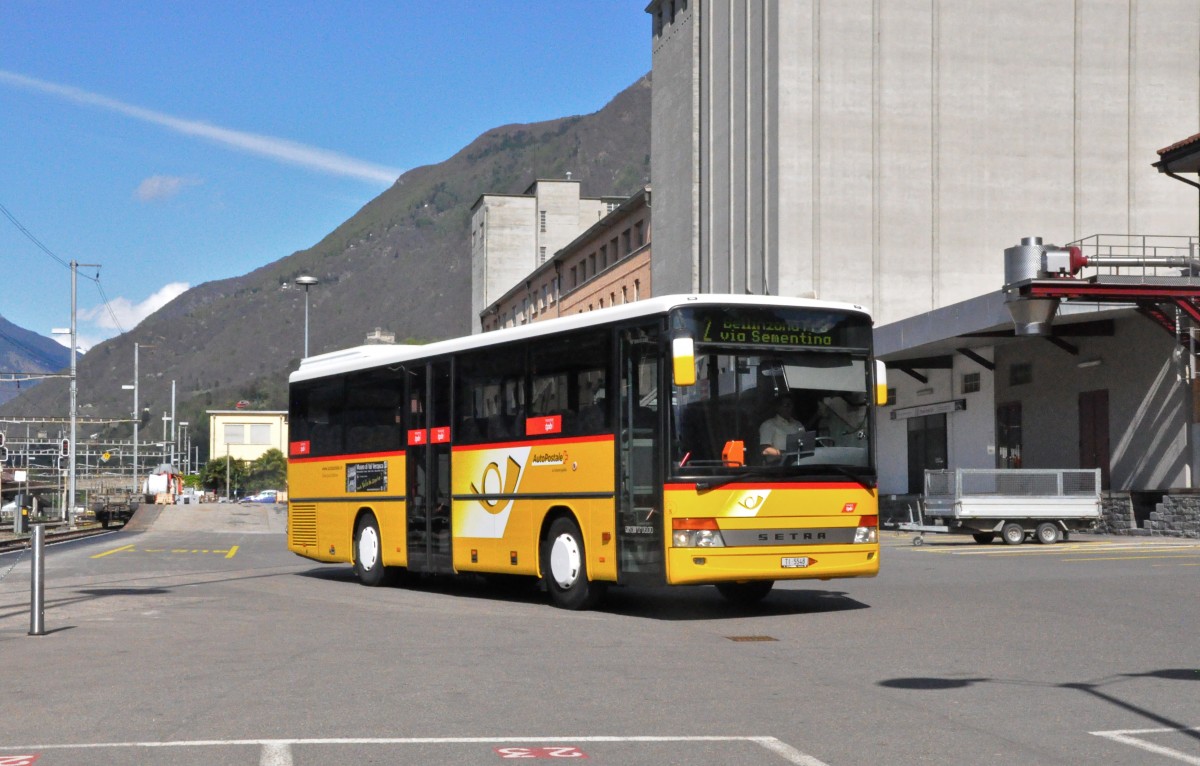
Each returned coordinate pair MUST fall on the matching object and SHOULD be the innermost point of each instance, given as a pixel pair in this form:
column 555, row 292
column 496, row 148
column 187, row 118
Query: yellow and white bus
column 619, row 446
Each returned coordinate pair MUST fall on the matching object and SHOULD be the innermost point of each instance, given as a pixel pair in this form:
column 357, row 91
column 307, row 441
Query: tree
column 215, row 472
column 268, row 471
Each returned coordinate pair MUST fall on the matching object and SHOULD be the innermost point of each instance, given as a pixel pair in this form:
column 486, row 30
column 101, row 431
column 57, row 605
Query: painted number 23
column 540, row 752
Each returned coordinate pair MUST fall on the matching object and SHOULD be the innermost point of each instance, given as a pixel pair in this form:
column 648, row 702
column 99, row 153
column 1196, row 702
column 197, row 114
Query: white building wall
column 502, row 242
column 909, row 142
column 509, row 234
column 1148, row 403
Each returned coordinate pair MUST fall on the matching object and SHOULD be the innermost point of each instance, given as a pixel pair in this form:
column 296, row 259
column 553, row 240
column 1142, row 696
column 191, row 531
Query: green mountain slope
column 401, row 263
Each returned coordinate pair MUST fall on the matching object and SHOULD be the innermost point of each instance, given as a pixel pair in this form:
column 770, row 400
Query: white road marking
column 1123, row 736
column 277, row 752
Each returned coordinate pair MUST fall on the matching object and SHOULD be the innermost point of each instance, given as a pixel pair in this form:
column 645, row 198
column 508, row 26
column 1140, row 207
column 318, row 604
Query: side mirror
column 880, row 383
column 683, row 355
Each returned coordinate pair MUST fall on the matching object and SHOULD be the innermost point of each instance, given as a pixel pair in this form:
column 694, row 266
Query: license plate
column 794, row 562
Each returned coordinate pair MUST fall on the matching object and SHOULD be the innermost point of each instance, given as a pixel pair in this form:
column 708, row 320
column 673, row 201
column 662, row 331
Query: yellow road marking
column 228, row 553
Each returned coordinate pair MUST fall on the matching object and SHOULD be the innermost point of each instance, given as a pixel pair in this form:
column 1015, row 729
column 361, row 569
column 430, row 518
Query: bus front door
column 428, row 490
column 639, row 443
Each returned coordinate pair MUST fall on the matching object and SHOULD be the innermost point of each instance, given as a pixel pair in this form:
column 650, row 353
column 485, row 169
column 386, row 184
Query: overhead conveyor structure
column 1159, row 275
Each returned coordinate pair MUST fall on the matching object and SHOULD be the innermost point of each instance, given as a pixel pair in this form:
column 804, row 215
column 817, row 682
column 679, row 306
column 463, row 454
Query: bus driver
column 774, row 432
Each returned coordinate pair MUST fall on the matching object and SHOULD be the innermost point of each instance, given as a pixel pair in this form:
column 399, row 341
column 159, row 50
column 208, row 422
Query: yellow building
column 246, row 434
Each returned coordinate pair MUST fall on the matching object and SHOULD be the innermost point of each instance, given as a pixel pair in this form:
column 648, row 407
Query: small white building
column 246, row 434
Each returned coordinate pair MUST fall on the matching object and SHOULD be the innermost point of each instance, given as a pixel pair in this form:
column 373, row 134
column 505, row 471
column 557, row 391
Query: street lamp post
column 307, row 282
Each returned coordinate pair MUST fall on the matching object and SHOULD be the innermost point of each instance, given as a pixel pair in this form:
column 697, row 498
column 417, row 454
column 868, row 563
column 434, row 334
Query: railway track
column 10, row 542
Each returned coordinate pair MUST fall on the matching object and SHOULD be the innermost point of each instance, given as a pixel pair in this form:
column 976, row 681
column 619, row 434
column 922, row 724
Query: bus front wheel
column 368, row 552
column 564, row 567
column 745, row 593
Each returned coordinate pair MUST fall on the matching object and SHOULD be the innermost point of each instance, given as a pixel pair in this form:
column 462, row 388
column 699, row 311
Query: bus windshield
column 774, row 412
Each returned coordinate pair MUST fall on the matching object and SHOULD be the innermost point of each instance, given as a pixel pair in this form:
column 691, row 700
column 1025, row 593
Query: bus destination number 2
column 569, row 751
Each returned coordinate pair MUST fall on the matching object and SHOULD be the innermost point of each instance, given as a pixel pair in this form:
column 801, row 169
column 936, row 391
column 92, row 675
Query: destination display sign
column 797, row 328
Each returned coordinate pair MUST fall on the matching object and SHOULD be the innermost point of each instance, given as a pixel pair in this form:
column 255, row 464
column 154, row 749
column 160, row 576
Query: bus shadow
column 705, row 603
column 677, row 603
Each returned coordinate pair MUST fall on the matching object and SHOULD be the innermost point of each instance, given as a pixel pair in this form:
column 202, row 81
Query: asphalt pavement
column 197, row 638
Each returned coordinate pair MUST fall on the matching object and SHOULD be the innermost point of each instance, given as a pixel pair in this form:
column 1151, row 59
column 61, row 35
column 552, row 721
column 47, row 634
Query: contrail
column 266, row 146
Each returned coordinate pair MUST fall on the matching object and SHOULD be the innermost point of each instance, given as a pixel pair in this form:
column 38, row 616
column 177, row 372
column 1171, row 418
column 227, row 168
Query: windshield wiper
column 721, row 481
column 865, row 479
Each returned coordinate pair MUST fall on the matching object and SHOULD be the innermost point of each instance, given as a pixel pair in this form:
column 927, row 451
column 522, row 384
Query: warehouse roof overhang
column 930, row 340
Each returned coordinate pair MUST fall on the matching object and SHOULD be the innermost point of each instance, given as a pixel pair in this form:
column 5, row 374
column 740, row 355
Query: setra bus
column 618, row 446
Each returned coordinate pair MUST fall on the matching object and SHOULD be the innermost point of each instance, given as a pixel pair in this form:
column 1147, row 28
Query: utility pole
column 74, row 393
column 137, row 420
column 173, row 424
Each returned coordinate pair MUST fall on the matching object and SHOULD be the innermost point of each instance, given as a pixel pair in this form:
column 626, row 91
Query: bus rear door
column 428, row 490
column 639, row 451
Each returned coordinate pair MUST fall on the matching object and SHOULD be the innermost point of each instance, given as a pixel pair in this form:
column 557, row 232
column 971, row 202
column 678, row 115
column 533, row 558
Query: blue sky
column 177, row 143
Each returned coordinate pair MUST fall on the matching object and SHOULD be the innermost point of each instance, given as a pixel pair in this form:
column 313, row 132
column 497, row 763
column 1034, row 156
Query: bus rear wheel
column 745, row 593
column 564, row 567
column 368, row 552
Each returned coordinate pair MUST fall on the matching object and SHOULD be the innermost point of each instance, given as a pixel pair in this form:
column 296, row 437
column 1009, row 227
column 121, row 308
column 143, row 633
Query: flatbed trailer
column 114, row 507
column 1014, row 503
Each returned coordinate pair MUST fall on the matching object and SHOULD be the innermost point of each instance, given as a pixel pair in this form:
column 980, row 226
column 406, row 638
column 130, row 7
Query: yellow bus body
column 503, row 495
column 777, row 521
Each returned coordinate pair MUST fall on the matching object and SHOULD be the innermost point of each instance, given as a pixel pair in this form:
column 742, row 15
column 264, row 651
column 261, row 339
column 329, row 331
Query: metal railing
column 1011, row 482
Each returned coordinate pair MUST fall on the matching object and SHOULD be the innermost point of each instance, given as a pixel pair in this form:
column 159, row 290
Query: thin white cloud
column 124, row 314
column 279, row 149
column 157, row 188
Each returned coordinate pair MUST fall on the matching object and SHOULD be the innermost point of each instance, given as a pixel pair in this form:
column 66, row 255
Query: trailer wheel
column 1047, row 533
column 983, row 538
column 1013, row 533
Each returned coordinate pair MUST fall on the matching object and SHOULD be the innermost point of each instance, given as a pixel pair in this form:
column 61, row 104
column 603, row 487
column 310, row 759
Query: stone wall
column 1116, row 514
column 1175, row 516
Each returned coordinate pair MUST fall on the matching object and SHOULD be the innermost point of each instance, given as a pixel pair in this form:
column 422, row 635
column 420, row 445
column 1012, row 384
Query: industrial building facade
column 886, row 154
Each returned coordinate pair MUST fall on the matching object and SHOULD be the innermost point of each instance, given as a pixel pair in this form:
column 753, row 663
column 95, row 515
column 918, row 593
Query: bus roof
column 367, row 357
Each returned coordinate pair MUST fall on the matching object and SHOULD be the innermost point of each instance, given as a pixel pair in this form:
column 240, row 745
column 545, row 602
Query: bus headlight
column 868, row 530
column 696, row 533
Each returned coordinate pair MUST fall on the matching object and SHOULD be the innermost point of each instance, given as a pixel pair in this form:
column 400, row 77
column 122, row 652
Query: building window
column 260, row 433
column 891, row 398
column 624, row 294
column 637, row 289
column 592, row 258
column 1020, row 374
column 639, row 230
column 574, row 278
column 541, row 255
column 603, row 257
column 542, row 220
column 234, row 433
column 970, row 383
column 627, row 237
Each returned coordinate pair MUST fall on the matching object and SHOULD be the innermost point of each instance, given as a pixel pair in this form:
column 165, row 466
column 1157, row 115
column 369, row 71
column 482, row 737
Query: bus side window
column 569, row 382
